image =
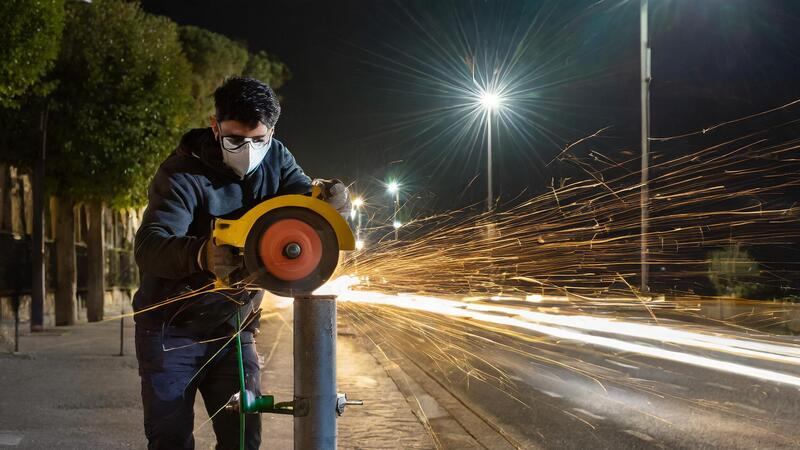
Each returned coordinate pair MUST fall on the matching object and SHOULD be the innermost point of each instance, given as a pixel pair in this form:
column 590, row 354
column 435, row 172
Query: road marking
column 11, row 440
column 721, row 386
column 551, row 394
column 364, row 381
column 587, row 413
column 639, row 435
column 628, row 366
column 752, row 409
column 431, row 407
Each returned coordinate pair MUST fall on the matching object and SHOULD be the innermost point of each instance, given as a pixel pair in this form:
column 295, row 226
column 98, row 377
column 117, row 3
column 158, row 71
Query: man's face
column 243, row 148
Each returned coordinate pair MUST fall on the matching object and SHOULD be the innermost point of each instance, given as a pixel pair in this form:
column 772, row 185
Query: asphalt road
column 551, row 392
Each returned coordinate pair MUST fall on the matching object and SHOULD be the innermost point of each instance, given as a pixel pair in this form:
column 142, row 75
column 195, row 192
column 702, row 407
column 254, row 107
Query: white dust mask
column 243, row 155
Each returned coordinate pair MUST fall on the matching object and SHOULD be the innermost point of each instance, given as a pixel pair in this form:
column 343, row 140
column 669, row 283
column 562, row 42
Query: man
column 181, row 328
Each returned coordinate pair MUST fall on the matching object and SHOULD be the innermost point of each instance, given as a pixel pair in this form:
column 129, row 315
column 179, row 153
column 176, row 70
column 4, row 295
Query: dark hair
column 246, row 100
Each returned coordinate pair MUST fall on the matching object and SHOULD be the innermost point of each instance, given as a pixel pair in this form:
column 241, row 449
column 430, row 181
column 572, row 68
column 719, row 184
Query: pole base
column 315, row 372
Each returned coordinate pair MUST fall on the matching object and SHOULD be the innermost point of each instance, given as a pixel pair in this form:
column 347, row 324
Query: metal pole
column 358, row 223
column 15, row 304
column 315, row 372
column 38, row 291
column 644, row 56
column 489, row 193
column 122, row 331
column 396, row 207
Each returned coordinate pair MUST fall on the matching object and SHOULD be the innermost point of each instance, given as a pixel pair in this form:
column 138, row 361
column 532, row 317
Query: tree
column 267, row 68
column 119, row 107
column 732, row 271
column 215, row 57
column 31, row 31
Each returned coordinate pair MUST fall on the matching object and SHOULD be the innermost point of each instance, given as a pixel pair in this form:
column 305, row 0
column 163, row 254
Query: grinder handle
column 321, row 188
column 316, row 191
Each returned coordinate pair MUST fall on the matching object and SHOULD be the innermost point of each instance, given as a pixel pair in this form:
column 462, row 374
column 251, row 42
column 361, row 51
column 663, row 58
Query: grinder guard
column 290, row 243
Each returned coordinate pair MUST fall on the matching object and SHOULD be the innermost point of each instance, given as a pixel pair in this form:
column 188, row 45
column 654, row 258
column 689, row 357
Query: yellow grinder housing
column 290, row 243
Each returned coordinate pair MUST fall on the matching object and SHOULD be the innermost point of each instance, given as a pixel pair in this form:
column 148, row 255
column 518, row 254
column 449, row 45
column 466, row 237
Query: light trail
column 567, row 327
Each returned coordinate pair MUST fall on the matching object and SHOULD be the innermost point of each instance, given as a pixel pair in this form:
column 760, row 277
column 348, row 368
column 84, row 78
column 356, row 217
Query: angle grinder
column 290, row 244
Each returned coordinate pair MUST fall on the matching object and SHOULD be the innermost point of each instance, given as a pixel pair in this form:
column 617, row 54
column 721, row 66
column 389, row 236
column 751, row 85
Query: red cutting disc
column 277, row 237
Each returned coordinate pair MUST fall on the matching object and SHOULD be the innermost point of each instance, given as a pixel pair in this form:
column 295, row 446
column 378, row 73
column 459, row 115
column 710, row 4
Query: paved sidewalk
column 68, row 389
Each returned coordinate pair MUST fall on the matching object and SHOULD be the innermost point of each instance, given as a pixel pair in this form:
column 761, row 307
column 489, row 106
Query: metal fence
column 16, row 269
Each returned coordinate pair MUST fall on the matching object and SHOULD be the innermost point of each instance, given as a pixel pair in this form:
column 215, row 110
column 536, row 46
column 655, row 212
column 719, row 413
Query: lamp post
column 394, row 189
column 357, row 203
column 644, row 66
column 489, row 101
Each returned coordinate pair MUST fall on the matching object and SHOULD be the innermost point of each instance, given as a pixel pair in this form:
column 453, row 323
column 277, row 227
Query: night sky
column 366, row 99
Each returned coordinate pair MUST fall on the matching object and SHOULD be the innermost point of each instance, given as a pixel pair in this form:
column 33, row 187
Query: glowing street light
column 393, row 187
column 490, row 100
column 396, row 224
column 359, row 244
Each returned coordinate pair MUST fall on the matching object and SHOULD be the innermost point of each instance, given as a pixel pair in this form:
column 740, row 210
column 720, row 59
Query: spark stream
column 583, row 237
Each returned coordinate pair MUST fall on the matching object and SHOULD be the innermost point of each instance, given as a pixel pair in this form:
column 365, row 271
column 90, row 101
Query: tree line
column 93, row 96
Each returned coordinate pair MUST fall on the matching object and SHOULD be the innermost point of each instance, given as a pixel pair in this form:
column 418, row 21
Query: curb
column 451, row 423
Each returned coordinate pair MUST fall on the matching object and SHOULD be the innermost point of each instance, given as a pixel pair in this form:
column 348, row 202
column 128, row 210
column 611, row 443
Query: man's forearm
column 167, row 256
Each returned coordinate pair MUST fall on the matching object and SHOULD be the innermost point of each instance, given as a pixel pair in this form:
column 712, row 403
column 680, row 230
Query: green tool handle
column 242, row 390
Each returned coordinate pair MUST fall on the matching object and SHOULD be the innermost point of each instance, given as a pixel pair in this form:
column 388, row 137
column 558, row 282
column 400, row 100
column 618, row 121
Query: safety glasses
column 235, row 144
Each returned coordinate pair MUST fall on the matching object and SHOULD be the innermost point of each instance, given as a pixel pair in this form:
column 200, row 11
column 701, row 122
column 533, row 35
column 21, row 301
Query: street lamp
column 355, row 213
column 489, row 101
column 394, row 188
column 644, row 68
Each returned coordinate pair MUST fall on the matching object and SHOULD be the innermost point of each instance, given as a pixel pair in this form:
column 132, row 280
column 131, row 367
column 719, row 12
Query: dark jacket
column 191, row 188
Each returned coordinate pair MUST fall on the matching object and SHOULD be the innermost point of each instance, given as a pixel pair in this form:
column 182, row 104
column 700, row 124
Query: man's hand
column 335, row 193
column 221, row 260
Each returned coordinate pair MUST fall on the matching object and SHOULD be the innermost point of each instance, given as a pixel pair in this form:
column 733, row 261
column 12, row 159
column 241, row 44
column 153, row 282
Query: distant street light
column 393, row 187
